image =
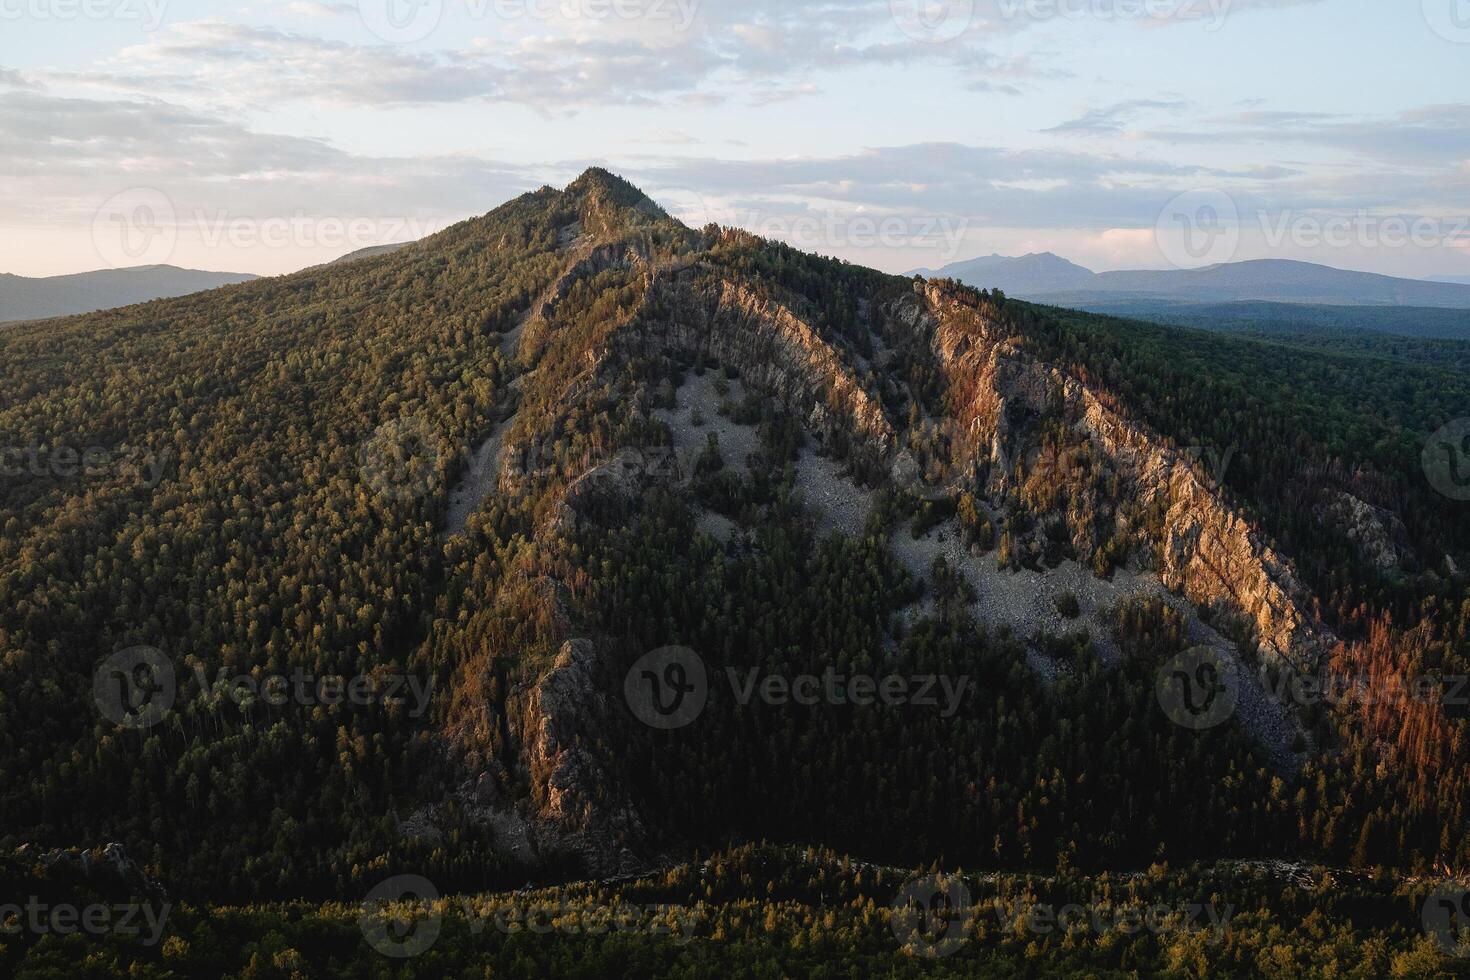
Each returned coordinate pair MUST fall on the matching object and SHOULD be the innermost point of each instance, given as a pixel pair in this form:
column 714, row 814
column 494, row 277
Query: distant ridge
column 1048, row 278
column 23, row 298
column 1033, row 272
column 371, row 251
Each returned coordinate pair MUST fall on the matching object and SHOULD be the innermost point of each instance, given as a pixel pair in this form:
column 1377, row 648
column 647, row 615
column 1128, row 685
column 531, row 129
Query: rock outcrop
column 108, row 866
column 775, row 350
column 1372, row 530
column 554, row 721
column 1209, row 552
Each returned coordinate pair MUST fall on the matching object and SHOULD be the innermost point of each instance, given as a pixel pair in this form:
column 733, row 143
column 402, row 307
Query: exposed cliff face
column 555, row 721
column 546, row 736
column 1208, row 552
column 774, row 349
column 937, row 358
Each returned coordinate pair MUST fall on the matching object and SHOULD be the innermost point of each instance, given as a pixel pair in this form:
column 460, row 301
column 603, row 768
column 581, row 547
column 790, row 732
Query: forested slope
column 273, row 500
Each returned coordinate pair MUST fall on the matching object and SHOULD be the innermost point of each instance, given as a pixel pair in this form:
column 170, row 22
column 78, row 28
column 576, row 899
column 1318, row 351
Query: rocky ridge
column 1210, row 553
column 994, row 389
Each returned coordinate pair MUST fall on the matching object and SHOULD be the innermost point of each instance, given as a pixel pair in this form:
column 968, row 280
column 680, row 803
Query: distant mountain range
column 372, row 251
column 23, row 298
column 1047, row 278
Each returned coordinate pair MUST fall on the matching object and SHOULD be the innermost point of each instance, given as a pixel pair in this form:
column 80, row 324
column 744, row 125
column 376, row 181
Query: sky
column 267, row 135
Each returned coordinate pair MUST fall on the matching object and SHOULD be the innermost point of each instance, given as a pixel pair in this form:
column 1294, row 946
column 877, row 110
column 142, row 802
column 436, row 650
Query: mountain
column 24, row 298
column 1458, row 280
column 370, row 251
column 1292, row 318
column 574, row 542
column 1274, row 280
column 1036, row 272
column 1049, row 279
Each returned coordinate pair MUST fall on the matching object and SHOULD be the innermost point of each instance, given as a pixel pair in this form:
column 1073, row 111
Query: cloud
column 1211, row 15
column 1102, row 194
column 666, row 137
column 988, row 185
column 51, row 135
column 222, row 62
column 1110, row 120
column 1429, row 136
column 566, row 55
column 10, row 78
column 169, row 111
column 770, row 50
column 319, row 8
column 772, row 95
column 64, row 156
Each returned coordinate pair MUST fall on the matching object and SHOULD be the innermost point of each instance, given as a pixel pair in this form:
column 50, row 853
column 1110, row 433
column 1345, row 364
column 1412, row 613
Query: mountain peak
column 1043, row 271
column 599, row 184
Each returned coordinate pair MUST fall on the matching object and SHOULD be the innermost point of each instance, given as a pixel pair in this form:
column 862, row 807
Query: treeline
column 759, row 910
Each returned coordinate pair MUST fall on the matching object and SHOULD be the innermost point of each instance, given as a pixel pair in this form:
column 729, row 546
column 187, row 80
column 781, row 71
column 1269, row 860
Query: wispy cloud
column 547, row 65
column 1110, row 120
column 1433, row 135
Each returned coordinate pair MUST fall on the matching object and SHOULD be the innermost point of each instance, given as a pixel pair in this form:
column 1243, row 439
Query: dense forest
column 1324, row 323
column 764, row 911
column 272, row 498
